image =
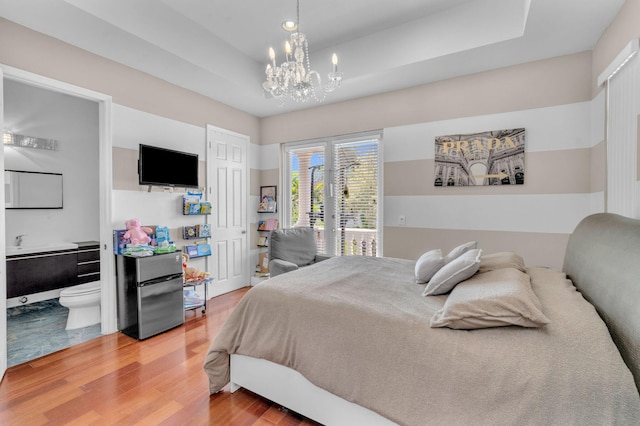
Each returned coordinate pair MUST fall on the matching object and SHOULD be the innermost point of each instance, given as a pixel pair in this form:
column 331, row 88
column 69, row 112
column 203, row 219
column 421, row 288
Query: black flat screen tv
column 166, row 167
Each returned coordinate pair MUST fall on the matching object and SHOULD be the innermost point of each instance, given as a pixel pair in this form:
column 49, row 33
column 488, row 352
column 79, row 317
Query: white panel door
column 228, row 190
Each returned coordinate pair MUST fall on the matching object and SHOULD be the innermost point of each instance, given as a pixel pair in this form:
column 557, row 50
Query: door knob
column 244, row 232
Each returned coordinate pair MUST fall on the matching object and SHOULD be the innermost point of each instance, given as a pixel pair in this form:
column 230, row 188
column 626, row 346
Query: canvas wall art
column 479, row 159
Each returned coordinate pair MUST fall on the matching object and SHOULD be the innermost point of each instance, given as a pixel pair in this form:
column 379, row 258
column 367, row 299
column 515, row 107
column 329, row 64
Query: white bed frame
column 292, row 390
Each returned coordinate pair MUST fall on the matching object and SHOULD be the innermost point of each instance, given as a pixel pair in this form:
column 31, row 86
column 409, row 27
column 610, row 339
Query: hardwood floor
column 115, row 379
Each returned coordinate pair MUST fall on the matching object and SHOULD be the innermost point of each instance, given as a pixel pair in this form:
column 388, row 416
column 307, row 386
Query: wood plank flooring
column 115, row 379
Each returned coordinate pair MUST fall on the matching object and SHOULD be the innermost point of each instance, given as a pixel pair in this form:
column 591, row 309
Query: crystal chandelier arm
column 294, row 80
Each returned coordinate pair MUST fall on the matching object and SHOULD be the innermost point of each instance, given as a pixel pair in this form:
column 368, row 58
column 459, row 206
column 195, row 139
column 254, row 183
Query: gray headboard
column 603, row 261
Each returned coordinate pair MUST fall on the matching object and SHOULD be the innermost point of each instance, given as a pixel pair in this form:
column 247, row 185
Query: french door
column 334, row 186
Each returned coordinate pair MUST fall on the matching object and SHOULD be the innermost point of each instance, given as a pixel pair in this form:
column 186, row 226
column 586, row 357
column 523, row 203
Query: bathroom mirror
column 32, row 190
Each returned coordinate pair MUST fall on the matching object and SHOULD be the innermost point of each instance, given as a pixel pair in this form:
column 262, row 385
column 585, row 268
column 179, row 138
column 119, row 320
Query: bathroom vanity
column 45, row 267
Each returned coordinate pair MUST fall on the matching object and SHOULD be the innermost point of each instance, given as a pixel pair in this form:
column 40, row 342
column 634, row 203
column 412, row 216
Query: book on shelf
column 204, row 230
column 263, row 263
column 191, row 203
column 205, row 207
column 270, row 224
column 190, row 232
column 267, row 207
column 261, row 225
column 191, row 250
column 263, row 241
column 203, row 249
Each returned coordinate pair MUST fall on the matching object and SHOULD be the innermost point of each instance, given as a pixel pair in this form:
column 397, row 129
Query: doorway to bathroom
column 53, row 134
column 40, row 109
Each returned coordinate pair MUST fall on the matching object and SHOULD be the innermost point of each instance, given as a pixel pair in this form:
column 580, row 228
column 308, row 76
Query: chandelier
column 294, row 80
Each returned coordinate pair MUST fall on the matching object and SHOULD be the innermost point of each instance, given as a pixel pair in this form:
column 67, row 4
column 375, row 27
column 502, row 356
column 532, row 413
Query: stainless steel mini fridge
column 150, row 297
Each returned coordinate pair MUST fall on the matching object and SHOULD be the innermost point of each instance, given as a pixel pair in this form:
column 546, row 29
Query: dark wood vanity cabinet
column 51, row 270
column 37, row 272
column 88, row 261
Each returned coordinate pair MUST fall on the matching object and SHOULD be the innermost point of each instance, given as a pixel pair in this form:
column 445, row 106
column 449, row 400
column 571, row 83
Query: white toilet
column 83, row 302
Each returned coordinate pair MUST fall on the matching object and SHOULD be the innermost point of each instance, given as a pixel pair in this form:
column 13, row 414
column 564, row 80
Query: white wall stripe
column 548, row 129
column 554, row 213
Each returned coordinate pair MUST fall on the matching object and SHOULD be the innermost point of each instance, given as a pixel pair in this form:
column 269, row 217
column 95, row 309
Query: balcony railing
column 357, row 241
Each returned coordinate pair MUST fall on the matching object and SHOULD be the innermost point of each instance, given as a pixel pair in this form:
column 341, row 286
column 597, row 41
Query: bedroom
column 555, row 95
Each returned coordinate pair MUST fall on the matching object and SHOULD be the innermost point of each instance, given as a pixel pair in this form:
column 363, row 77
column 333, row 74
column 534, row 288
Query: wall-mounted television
column 166, row 167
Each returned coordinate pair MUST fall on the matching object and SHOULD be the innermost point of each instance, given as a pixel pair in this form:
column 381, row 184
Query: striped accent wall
column 533, row 219
column 564, row 182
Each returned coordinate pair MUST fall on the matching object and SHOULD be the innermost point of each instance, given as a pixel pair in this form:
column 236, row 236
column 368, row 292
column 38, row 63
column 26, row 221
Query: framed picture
column 493, row 157
column 268, row 199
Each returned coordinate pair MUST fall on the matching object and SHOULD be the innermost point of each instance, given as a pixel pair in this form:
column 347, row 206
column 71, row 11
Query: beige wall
column 31, row 51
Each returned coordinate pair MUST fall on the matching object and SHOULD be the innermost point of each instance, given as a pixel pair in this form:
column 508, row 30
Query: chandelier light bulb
column 272, row 56
column 290, row 26
column 334, row 61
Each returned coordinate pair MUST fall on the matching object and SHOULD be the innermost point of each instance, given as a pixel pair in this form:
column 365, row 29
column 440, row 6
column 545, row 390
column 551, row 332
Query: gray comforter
column 359, row 327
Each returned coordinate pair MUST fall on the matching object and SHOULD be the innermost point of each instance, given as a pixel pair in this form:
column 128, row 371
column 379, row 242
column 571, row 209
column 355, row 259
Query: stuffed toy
column 136, row 232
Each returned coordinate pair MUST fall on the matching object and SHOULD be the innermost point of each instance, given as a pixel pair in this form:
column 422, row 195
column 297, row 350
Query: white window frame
column 328, row 145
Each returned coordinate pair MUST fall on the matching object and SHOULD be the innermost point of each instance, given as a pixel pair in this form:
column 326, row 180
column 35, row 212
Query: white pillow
column 460, row 250
column 428, row 264
column 454, row 272
column 492, row 299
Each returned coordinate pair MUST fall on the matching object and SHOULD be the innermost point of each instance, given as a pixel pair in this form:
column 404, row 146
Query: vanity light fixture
column 13, row 139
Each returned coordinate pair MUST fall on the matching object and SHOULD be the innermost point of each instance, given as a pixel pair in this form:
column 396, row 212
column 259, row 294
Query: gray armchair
column 290, row 249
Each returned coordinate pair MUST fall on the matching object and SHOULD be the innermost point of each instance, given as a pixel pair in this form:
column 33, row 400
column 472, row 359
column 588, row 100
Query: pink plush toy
column 136, row 232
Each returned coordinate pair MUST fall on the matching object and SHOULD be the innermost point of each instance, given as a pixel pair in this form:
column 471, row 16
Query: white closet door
column 227, row 191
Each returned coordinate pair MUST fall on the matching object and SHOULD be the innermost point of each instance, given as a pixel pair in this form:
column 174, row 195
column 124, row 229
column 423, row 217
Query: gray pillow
column 507, row 259
column 460, row 250
column 428, row 264
column 493, row 299
column 454, row 272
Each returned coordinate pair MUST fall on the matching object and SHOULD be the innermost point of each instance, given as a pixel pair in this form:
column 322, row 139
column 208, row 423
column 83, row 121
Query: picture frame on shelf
column 268, row 199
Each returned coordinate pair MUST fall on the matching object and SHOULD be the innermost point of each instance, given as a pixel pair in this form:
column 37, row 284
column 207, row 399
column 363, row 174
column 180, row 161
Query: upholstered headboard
column 603, row 261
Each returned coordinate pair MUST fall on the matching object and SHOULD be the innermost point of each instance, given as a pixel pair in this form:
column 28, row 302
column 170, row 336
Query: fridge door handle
column 160, row 280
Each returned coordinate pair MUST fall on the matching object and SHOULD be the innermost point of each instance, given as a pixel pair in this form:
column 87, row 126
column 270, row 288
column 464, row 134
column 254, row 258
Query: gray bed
column 358, row 329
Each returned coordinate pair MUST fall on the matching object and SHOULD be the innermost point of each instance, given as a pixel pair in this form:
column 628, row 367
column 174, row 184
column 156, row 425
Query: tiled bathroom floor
column 37, row 329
